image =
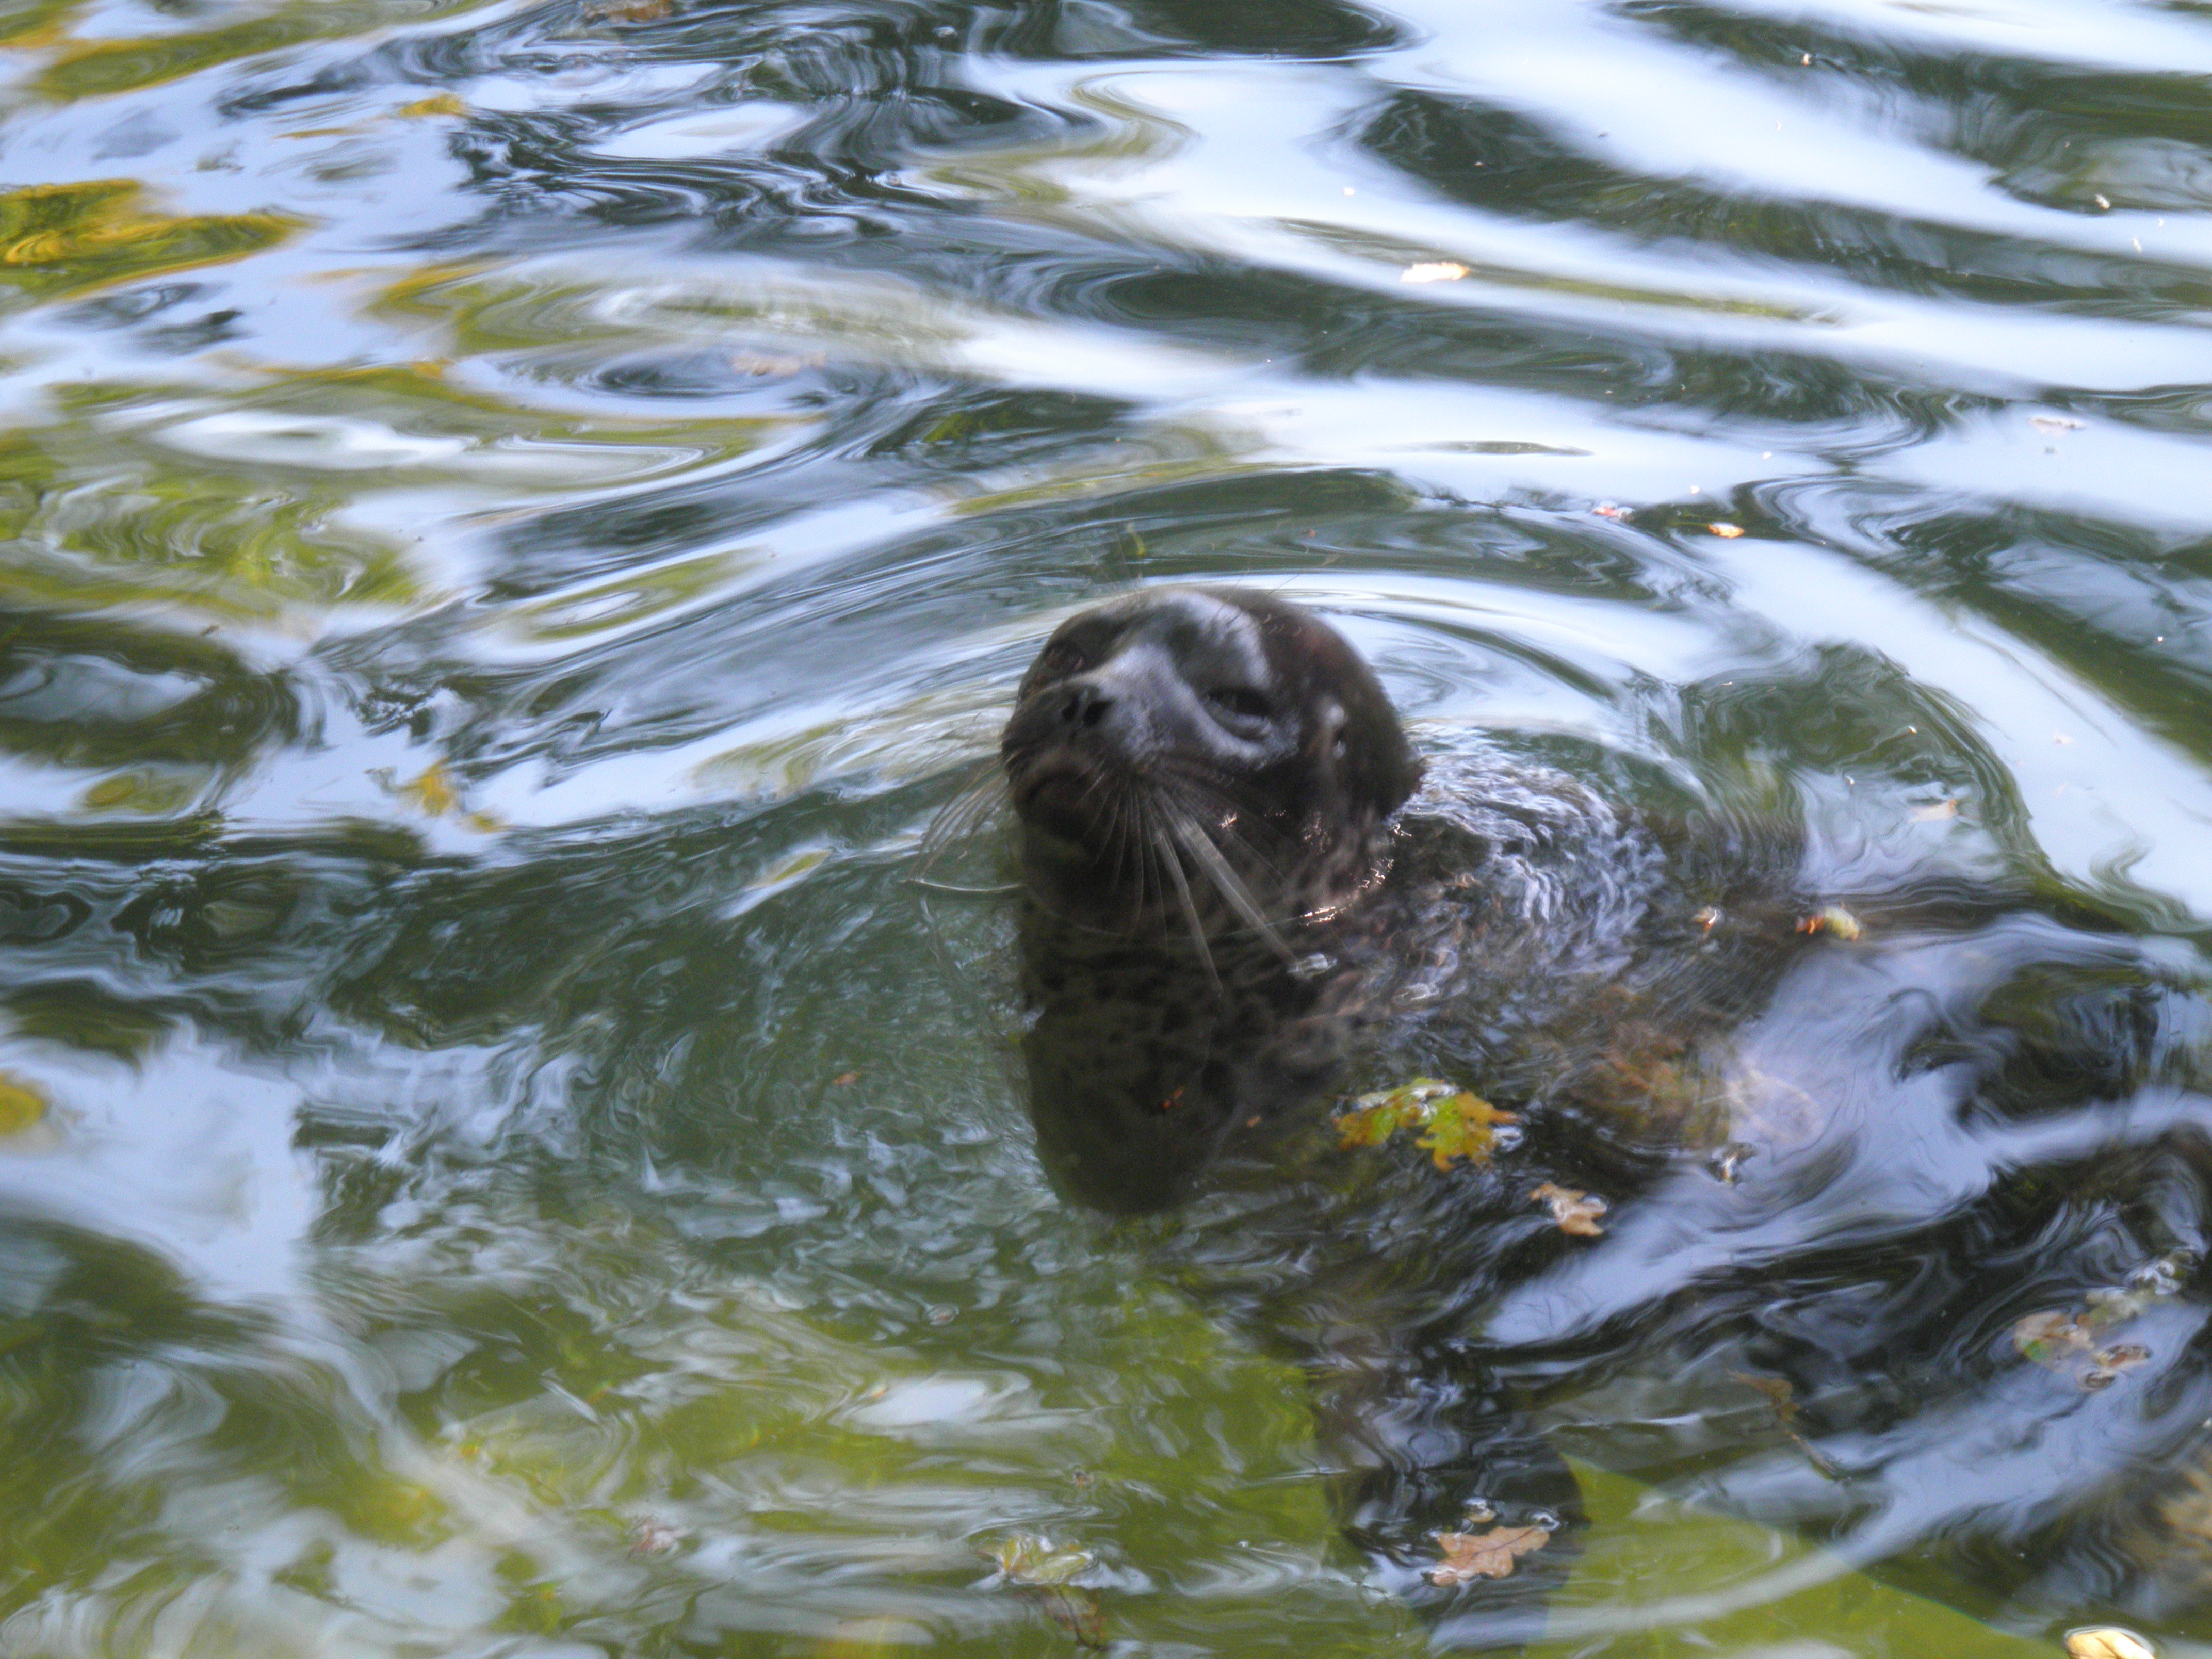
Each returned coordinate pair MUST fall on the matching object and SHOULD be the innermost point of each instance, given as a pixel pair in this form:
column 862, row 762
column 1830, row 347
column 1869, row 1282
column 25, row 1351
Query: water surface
column 518, row 513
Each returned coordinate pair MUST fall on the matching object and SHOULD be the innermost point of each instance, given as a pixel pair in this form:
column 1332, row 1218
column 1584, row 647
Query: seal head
column 1205, row 732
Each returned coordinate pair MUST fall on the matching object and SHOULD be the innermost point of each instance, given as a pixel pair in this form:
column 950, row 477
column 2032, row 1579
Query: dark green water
column 517, row 513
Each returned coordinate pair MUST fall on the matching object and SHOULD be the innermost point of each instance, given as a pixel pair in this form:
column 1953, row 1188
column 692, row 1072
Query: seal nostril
column 1084, row 706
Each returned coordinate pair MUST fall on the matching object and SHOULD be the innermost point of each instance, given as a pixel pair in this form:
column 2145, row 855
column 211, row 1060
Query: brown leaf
column 1726, row 530
column 1576, row 1211
column 1470, row 1556
column 1607, row 510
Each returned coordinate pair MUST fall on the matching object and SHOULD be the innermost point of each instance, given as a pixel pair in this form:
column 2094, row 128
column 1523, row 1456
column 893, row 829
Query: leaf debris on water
column 1576, row 1211
column 1723, row 529
column 1834, row 919
column 1936, row 811
column 2107, row 1642
column 21, row 1106
column 1607, row 510
column 1433, row 271
column 1472, row 1555
column 1040, row 1570
column 1455, row 1124
column 1782, row 1400
column 649, row 1537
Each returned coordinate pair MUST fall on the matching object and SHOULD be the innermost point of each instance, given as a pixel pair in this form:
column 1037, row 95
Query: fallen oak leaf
column 1575, row 1211
column 1491, row 1554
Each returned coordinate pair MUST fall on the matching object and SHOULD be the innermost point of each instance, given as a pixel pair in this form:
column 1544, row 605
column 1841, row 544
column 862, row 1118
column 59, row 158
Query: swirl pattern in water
column 519, row 514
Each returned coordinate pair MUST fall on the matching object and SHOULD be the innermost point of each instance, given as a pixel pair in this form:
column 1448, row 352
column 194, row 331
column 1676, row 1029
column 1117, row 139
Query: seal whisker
column 1173, row 867
column 1203, row 853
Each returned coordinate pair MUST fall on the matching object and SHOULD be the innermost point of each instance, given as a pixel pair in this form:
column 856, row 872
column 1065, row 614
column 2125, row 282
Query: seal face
column 1201, row 732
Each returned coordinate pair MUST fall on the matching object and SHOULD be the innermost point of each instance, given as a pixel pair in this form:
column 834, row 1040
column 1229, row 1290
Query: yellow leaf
column 1834, row 919
column 1465, row 1126
column 432, row 791
column 1434, row 270
column 21, row 1106
column 443, row 104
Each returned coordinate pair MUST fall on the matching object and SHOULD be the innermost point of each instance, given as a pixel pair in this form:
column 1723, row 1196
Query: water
column 518, row 514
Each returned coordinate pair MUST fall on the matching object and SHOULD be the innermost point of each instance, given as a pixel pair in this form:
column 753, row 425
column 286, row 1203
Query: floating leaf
column 1456, row 1123
column 1037, row 1563
column 650, row 1537
column 1433, row 271
column 432, row 791
column 1464, row 1125
column 1470, row 1556
column 1576, row 1211
column 21, row 1106
column 1936, row 811
column 1375, row 1118
column 1728, row 532
column 1834, row 919
column 2108, row 1643
column 443, row 104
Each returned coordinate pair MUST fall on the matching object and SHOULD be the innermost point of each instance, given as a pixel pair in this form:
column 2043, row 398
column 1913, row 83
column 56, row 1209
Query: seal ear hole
column 1242, row 701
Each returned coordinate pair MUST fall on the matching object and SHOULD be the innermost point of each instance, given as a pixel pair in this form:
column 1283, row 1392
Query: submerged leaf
column 1470, row 1556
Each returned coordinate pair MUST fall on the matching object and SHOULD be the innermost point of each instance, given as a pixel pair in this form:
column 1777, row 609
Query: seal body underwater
column 1243, row 895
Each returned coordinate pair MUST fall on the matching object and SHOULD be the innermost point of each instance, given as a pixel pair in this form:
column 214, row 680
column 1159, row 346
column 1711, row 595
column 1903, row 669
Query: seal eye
column 1240, row 703
column 1059, row 660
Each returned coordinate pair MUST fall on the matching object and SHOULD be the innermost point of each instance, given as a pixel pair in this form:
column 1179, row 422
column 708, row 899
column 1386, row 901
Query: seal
column 1240, row 886
column 1230, row 889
